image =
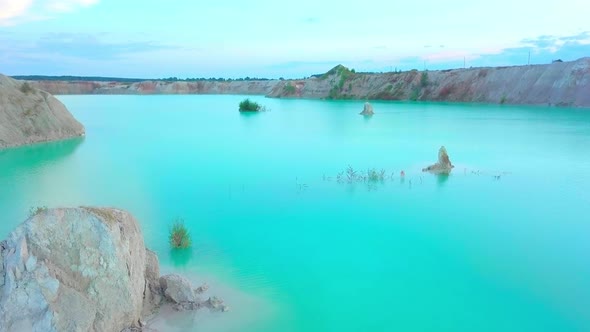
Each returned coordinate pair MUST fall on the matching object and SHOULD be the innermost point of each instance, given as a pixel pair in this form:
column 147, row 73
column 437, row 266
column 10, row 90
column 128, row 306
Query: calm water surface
column 292, row 249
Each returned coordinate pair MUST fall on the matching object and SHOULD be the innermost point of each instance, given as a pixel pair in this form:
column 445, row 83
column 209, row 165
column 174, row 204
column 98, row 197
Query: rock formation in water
column 84, row 269
column 367, row 110
column 443, row 165
column 28, row 115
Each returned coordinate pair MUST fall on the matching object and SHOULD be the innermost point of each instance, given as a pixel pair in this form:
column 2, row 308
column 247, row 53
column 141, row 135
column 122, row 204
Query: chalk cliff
column 556, row 84
column 560, row 84
column 155, row 87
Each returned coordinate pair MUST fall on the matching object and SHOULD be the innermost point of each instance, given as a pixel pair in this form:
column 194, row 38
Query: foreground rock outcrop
column 83, row 269
column 28, row 115
column 443, row 165
column 367, row 110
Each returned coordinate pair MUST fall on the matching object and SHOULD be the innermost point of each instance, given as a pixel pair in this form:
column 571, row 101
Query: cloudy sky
column 270, row 38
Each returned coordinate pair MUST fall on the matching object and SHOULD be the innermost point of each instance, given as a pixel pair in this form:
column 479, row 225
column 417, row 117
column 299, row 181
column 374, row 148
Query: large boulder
column 73, row 270
column 443, row 165
column 177, row 289
column 29, row 115
column 367, row 109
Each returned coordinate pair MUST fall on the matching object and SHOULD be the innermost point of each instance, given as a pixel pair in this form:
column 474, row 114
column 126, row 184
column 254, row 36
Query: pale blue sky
column 269, row 38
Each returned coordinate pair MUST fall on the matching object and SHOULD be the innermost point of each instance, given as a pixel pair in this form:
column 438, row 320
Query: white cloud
column 10, row 9
column 62, row 6
column 17, row 11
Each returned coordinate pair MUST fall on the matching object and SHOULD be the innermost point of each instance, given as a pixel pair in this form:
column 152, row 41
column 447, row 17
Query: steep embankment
column 561, row 83
column 156, row 87
column 28, row 115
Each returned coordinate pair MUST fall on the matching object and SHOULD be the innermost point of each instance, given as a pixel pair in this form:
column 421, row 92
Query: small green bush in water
column 249, row 106
column 375, row 175
column 179, row 237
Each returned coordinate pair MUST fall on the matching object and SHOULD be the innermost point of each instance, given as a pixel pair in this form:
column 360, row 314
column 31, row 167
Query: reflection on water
column 21, row 159
column 249, row 115
column 181, row 257
column 442, row 178
column 27, row 172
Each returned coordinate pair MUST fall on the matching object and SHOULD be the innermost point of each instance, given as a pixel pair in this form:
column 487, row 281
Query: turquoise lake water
column 290, row 248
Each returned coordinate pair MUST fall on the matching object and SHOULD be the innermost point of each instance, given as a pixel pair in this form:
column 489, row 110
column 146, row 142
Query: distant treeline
column 131, row 80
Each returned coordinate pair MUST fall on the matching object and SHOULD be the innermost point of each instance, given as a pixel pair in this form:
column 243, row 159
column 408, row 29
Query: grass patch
column 350, row 175
column 109, row 216
column 334, row 93
column 335, row 71
column 28, row 112
column 289, row 89
column 424, row 79
column 179, row 236
column 35, row 210
column 415, row 94
column 373, row 175
column 343, row 75
column 26, row 88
